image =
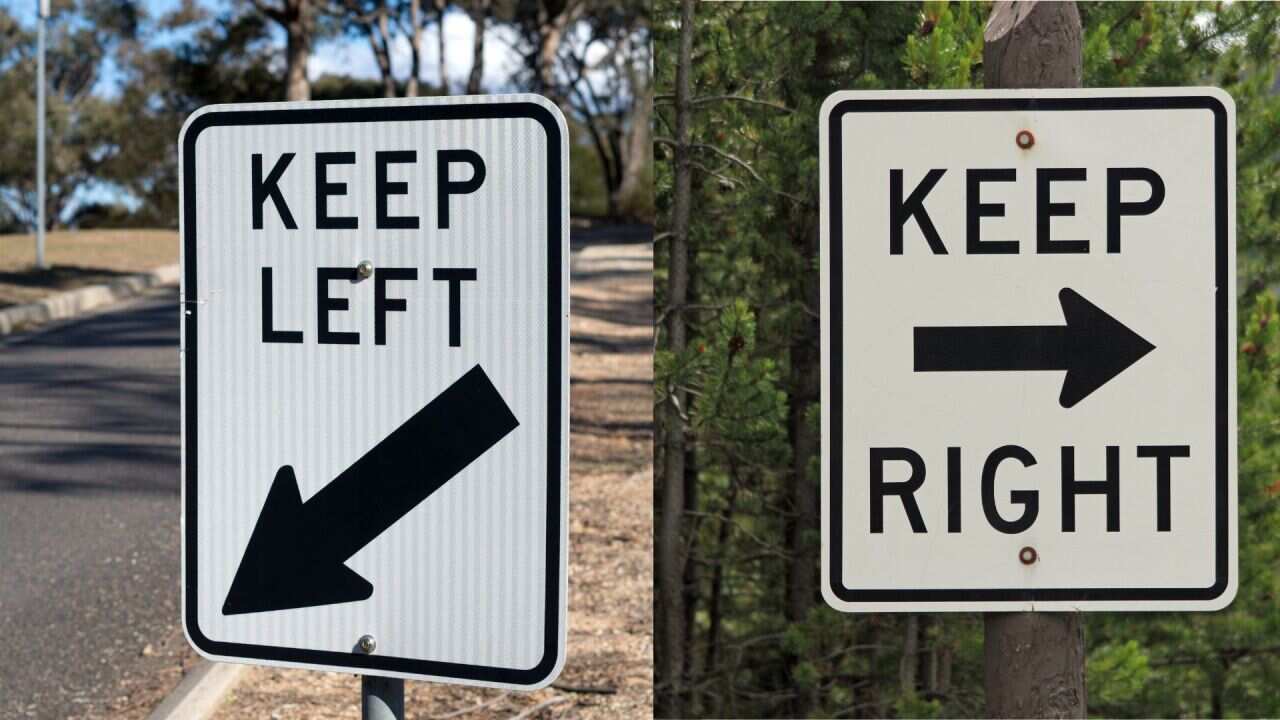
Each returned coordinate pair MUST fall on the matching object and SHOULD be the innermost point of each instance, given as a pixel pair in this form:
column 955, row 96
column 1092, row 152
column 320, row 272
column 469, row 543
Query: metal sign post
column 381, row 698
column 42, row 11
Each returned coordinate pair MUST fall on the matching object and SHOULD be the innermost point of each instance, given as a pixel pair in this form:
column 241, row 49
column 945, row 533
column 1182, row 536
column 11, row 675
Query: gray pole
column 42, row 10
column 1034, row 662
column 381, row 698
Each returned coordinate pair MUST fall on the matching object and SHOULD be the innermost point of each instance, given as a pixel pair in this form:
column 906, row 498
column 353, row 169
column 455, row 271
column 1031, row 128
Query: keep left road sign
column 375, row 387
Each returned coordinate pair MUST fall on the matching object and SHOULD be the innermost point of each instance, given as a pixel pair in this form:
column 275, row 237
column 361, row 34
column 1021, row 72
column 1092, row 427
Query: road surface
column 89, row 500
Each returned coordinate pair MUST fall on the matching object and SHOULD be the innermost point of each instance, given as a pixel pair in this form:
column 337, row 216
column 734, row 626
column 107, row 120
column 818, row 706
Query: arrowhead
column 1098, row 347
column 284, row 565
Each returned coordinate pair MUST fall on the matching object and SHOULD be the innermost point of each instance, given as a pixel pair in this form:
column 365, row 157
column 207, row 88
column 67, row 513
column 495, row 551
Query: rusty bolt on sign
column 1025, row 139
column 1028, row 555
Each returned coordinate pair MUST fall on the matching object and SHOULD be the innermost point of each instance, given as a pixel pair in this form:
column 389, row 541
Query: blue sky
column 349, row 56
column 352, row 56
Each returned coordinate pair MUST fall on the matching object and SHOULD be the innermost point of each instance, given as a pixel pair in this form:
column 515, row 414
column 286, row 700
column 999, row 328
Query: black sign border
column 1224, row 344
column 543, row 670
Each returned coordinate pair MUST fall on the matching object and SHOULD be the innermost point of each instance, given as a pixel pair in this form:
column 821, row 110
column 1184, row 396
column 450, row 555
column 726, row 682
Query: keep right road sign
column 1028, row 343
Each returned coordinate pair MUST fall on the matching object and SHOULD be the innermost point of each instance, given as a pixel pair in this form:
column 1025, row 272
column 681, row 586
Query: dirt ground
column 610, row 648
column 77, row 259
column 162, row 666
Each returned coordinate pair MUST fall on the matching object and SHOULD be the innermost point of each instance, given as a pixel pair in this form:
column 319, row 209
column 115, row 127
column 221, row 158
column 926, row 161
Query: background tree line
column 122, row 81
column 741, row 629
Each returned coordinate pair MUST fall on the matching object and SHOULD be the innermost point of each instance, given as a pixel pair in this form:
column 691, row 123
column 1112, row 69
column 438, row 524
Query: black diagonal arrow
column 1092, row 347
column 296, row 554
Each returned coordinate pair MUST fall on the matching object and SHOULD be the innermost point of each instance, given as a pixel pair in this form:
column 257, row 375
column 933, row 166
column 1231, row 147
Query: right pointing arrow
column 1092, row 347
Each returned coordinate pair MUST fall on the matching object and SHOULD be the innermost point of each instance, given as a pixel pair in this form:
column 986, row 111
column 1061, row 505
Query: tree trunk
column 928, row 659
column 1034, row 661
column 944, row 672
column 297, row 49
column 711, row 665
column 670, row 560
column 415, row 48
column 1034, row 665
column 1217, row 675
column 613, row 170
column 1032, row 45
column 803, row 394
column 380, row 42
column 1217, row 683
column 608, row 158
column 480, row 18
column 877, row 692
column 909, row 666
column 637, row 150
column 551, row 29
column 548, row 46
column 691, row 581
column 441, row 7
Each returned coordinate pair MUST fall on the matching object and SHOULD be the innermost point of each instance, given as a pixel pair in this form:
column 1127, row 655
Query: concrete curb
column 200, row 692
column 74, row 302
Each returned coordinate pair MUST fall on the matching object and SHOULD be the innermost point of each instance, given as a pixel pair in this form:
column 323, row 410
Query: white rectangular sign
column 375, row 386
column 1028, row 346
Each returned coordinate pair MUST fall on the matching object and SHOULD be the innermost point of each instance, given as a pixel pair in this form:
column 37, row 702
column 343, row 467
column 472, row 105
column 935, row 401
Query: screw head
column 367, row 644
column 364, row 270
column 1028, row 555
column 1025, row 139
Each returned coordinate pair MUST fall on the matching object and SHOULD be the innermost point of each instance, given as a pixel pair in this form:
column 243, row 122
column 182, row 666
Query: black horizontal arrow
column 296, row 554
column 1092, row 347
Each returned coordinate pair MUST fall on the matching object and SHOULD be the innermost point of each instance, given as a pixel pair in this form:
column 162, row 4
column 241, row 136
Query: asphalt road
column 89, row 504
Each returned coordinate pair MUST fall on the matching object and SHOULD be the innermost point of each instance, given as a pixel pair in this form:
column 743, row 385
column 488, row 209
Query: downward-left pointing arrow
column 297, row 553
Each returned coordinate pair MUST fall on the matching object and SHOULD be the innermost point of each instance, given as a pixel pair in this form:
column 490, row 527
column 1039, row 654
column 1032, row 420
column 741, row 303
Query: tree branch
column 708, row 99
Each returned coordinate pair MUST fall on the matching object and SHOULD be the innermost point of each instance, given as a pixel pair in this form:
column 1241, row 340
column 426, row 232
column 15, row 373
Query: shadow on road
column 89, row 487
column 92, row 406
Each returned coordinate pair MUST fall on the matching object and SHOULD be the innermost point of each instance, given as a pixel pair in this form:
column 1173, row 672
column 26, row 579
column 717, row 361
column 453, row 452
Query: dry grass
column 79, row 258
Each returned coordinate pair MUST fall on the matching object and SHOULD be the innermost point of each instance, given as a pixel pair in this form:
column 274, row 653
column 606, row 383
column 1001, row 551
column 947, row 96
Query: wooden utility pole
column 1034, row 661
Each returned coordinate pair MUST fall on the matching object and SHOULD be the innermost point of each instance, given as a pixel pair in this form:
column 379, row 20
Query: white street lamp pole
column 42, row 10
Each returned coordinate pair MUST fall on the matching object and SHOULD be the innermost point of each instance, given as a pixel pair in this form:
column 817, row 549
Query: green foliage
column 754, row 217
column 117, row 131
column 911, row 706
column 1234, row 46
column 1124, row 669
column 1212, row 663
column 79, row 123
column 947, row 48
